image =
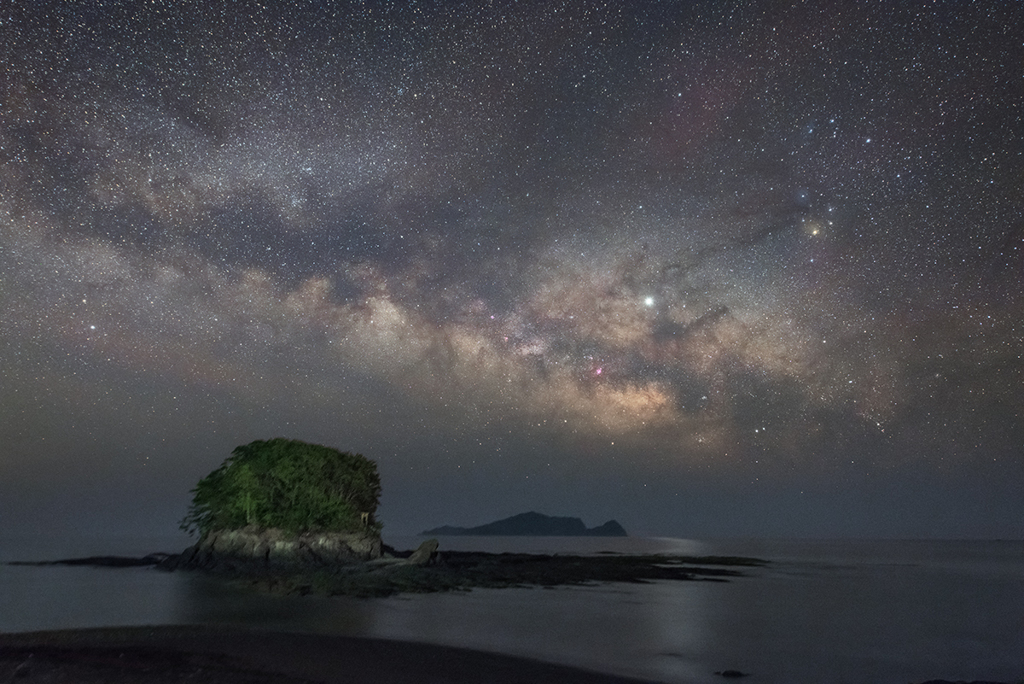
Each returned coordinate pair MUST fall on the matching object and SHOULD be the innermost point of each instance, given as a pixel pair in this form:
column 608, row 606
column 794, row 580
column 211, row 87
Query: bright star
column 649, row 301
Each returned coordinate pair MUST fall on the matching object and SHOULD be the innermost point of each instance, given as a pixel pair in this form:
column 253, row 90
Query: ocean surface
column 822, row 611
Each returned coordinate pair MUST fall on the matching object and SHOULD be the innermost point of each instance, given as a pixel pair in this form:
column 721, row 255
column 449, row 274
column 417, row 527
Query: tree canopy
column 286, row 484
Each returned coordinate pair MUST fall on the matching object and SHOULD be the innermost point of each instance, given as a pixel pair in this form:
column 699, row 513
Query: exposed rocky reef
column 428, row 570
column 360, row 565
column 464, row 570
column 105, row 561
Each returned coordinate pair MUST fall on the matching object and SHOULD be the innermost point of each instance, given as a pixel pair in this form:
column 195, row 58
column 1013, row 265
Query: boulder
column 423, row 554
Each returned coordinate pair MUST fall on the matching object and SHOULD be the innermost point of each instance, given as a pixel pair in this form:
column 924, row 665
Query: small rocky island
column 533, row 524
column 289, row 517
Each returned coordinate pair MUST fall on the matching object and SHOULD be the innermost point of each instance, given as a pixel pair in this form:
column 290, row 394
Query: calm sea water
column 823, row 611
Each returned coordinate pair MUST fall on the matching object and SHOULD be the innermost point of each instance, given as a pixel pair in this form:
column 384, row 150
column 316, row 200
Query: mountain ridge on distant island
column 533, row 524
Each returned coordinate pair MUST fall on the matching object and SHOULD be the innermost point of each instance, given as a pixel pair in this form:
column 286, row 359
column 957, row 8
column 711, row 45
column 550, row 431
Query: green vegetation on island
column 289, row 485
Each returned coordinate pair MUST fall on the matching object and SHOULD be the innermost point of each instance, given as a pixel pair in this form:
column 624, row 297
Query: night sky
column 707, row 268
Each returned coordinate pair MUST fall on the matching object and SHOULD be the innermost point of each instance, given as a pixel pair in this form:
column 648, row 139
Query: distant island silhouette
column 534, row 524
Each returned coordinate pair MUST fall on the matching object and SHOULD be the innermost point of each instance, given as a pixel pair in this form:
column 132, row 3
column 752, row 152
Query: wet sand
column 230, row 655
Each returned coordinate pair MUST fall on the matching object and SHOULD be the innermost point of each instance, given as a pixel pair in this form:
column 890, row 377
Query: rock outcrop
column 253, row 550
column 610, row 529
column 426, row 553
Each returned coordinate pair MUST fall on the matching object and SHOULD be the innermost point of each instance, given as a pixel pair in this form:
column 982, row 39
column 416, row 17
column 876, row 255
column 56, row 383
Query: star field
column 710, row 268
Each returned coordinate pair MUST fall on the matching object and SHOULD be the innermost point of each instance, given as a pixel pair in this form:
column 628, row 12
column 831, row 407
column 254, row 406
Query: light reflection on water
column 823, row 611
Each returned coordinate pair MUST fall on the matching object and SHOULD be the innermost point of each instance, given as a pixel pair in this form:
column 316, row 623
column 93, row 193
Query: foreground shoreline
column 216, row 654
column 233, row 655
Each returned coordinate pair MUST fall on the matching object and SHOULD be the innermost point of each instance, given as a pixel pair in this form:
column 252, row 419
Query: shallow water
column 823, row 611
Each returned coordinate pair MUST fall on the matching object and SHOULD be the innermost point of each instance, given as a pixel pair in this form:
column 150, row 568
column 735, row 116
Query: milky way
column 564, row 255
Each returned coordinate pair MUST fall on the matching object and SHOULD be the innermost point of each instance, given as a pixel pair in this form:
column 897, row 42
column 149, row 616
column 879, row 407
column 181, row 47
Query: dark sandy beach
column 229, row 655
